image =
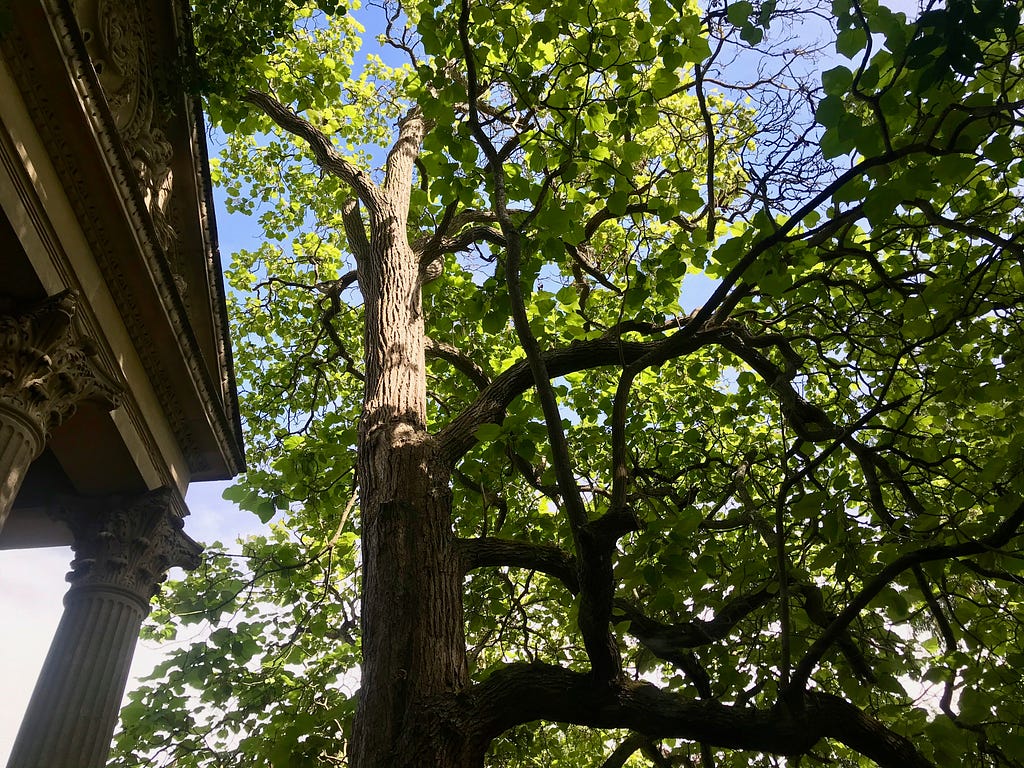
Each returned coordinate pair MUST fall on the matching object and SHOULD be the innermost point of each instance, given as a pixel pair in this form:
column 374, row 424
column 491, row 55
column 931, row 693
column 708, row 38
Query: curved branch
column 327, row 157
column 617, row 759
column 521, row 693
column 333, row 291
column 808, row 420
column 934, row 217
column 779, row 235
column 457, row 438
column 472, row 236
column 545, row 558
column 1005, row 531
column 457, row 232
column 814, row 607
column 461, row 362
column 667, row 641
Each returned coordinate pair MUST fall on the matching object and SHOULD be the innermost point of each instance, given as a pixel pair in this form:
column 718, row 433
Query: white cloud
column 32, row 588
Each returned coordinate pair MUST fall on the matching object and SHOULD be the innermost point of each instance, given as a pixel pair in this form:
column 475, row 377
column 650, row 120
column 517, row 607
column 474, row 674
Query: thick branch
column 457, row 438
column 457, row 232
column 461, row 362
column 470, row 237
column 327, row 157
column 624, row 751
column 402, row 158
column 545, row 558
column 808, row 420
column 523, row 693
column 668, row 640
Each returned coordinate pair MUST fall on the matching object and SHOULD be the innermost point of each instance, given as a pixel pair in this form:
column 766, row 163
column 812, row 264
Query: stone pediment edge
column 223, row 424
column 216, row 275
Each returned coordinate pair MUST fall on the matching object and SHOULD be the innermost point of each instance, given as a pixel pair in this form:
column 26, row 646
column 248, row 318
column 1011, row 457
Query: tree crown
column 792, row 492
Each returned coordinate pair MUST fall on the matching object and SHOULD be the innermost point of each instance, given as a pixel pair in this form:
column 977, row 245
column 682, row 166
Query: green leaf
column 751, row 34
column 487, row 433
column 836, row 82
column 830, row 110
column 739, row 12
column 617, row 203
column 1000, row 149
column 265, row 510
column 850, row 42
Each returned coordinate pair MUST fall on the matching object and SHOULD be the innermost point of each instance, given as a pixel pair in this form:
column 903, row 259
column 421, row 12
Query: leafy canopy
column 824, row 468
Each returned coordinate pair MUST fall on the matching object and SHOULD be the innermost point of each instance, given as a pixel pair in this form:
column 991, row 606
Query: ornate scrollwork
column 118, row 47
column 128, row 543
column 46, row 370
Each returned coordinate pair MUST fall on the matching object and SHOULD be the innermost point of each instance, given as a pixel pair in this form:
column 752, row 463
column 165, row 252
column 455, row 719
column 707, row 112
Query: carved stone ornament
column 128, row 544
column 116, row 38
column 45, row 369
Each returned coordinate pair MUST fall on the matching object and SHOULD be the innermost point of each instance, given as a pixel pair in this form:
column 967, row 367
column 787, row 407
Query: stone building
column 116, row 386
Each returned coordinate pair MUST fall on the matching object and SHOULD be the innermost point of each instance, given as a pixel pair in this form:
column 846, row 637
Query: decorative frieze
column 123, row 548
column 46, row 370
column 118, row 46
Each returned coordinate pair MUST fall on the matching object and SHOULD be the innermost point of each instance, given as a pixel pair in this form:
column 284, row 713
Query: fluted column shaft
column 21, row 441
column 45, row 371
column 74, row 707
column 122, row 553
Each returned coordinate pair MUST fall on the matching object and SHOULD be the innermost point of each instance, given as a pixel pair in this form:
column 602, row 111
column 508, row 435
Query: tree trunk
column 413, row 640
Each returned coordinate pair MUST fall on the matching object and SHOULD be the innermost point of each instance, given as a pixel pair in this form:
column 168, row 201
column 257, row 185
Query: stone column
column 45, row 371
column 122, row 553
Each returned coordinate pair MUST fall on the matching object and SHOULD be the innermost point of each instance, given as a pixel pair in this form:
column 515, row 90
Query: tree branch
column 545, row 558
column 462, row 363
column 1006, row 530
column 779, row 235
column 327, row 157
column 624, row 751
column 971, row 230
column 521, row 693
column 596, row 583
column 457, row 438
column 668, row 640
column 402, row 158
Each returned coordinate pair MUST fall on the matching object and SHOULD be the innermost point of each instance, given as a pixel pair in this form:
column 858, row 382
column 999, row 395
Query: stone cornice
column 180, row 375
column 197, row 123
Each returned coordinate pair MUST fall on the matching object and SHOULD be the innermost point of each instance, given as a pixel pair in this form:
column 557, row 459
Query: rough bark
column 412, row 630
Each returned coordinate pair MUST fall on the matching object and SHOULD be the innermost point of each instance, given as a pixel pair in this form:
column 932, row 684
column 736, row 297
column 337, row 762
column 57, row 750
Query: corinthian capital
column 128, row 544
column 45, row 369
